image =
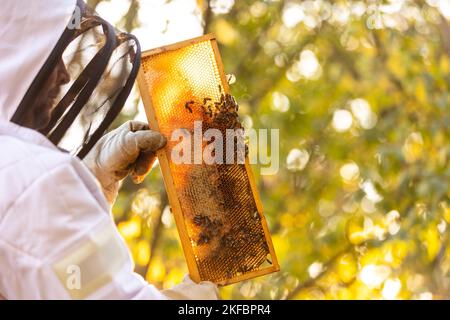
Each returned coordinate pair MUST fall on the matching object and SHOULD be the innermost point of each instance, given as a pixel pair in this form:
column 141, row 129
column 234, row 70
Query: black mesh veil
column 103, row 64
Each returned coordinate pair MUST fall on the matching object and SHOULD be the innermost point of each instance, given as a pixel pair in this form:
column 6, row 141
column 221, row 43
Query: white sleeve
column 61, row 243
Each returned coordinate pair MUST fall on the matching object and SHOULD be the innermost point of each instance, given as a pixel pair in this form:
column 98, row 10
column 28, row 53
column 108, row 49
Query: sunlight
column 357, row 89
column 280, row 102
column 349, row 172
column 164, row 23
column 222, row 6
column 297, row 159
column 292, row 15
column 374, row 275
column 308, row 65
column 444, row 7
column 413, row 147
column 363, row 113
column 370, row 191
column 315, row 269
column 391, row 289
column 342, row 120
column 113, row 11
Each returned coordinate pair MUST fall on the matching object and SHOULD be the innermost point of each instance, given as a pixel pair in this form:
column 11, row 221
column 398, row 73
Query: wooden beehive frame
column 168, row 179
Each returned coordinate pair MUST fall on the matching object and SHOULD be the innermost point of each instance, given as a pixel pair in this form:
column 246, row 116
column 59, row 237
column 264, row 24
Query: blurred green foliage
column 360, row 92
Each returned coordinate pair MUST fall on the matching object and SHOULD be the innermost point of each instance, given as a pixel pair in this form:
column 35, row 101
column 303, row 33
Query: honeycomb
column 219, row 217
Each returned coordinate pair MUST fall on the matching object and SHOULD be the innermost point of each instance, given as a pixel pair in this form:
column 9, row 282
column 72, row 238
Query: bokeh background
column 360, row 92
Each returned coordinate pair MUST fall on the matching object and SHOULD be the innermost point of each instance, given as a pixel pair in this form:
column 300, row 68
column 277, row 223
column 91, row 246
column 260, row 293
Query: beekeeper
column 65, row 74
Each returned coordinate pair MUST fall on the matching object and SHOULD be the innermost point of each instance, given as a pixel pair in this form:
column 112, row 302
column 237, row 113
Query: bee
column 246, row 268
column 234, row 124
column 228, row 240
column 242, row 269
column 231, row 78
column 205, row 100
column 188, row 104
column 202, row 239
column 207, row 111
column 217, row 225
column 198, row 219
column 202, row 220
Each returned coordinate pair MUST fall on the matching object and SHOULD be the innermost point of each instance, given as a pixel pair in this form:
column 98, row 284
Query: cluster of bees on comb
column 210, row 228
column 225, row 245
column 221, row 114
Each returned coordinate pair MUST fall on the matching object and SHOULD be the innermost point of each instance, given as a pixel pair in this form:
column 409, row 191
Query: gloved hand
column 129, row 149
column 189, row 290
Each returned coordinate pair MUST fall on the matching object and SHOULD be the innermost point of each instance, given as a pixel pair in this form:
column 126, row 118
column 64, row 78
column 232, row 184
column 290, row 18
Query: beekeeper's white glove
column 189, row 290
column 129, row 149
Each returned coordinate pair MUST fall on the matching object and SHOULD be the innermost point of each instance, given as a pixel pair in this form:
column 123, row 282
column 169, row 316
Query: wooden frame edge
column 178, row 45
column 249, row 276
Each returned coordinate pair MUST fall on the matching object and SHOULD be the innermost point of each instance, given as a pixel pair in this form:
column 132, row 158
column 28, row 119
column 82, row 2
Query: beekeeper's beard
column 42, row 114
column 39, row 114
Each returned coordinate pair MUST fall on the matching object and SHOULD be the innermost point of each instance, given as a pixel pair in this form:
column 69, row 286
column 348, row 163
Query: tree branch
column 157, row 230
column 207, row 17
column 131, row 16
column 310, row 282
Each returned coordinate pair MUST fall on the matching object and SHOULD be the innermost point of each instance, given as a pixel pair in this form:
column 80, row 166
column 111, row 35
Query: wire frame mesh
column 216, row 207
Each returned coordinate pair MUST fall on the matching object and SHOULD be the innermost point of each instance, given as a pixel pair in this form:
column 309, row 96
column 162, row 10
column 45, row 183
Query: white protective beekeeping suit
column 57, row 237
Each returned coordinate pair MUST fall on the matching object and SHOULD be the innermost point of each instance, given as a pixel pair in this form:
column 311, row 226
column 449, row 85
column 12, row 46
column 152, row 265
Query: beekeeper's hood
column 102, row 64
